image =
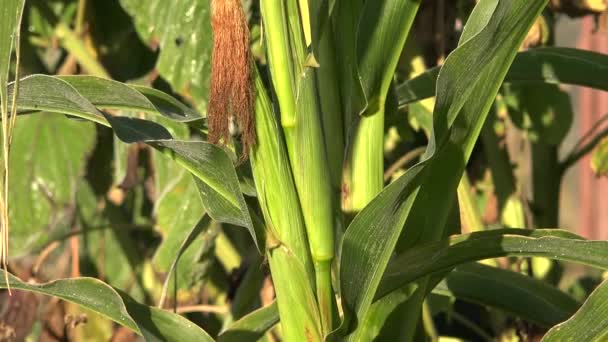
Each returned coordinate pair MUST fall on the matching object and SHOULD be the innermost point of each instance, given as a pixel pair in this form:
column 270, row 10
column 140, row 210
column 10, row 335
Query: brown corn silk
column 232, row 95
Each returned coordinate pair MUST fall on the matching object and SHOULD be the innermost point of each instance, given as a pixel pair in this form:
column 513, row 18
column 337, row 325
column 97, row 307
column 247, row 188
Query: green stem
column 582, row 151
column 72, row 43
column 427, row 321
column 546, row 180
column 301, row 123
column 331, row 108
column 325, row 294
column 363, row 171
column 285, row 228
column 80, row 16
column 468, row 209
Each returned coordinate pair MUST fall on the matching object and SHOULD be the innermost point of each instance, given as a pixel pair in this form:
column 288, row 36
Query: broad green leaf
column 467, row 86
column 253, row 326
column 47, row 166
column 347, row 13
column 381, row 33
column 109, row 94
column 432, row 257
column 555, row 65
column 523, row 296
column 178, row 209
column 599, row 158
column 50, row 94
column 81, row 96
column 182, row 30
column 216, row 177
column 152, row 323
column 588, row 323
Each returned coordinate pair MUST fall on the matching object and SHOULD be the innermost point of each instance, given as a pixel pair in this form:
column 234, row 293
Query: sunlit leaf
column 520, row 295
column 599, row 158
column 467, row 86
column 545, row 65
column 152, row 323
column 47, row 166
column 588, row 323
column 429, row 258
column 182, row 31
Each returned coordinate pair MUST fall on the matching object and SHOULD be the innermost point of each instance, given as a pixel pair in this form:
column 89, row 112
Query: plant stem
column 582, row 151
column 331, row 108
column 363, row 172
column 285, row 228
column 546, row 180
column 325, row 295
column 470, row 214
column 301, row 123
column 403, row 161
column 72, row 43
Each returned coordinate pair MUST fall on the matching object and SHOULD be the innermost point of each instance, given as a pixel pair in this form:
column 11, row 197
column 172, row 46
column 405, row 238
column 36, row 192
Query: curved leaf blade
column 548, row 65
column 429, row 258
column 588, row 323
column 93, row 294
column 523, row 296
column 82, row 96
column 466, row 93
column 182, row 29
column 51, row 94
column 109, row 94
column 216, row 177
column 253, row 326
column 214, row 172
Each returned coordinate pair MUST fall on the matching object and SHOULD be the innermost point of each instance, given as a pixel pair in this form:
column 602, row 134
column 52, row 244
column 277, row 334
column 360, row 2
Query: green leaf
column 184, row 247
column 152, row 323
column 216, row 177
column 381, row 33
column 47, row 167
column 51, row 94
column 81, row 96
column 467, row 86
column 182, row 29
column 109, row 94
column 588, row 323
column 599, row 158
column 556, row 65
column 432, row 257
column 10, row 22
column 253, row 326
column 178, row 209
column 523, row 296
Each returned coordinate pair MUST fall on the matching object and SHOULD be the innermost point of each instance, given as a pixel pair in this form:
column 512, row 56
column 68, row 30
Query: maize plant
column 294, row 170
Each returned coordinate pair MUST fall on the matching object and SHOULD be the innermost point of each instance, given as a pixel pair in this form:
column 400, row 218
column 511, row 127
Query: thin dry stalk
column 8, row 124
